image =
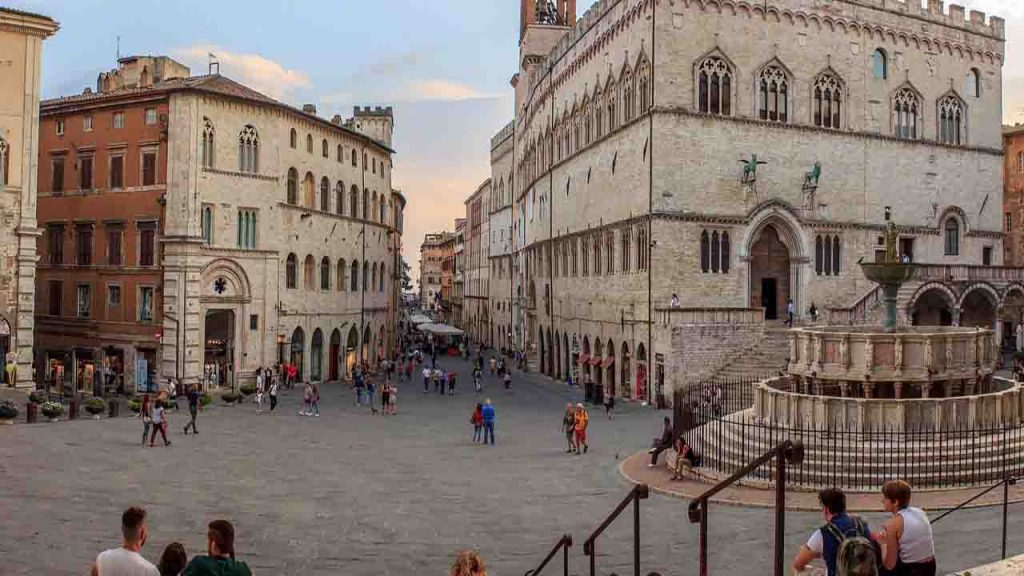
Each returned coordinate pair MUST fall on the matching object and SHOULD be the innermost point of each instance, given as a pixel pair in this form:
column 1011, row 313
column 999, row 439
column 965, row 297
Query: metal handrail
column 1005, row 483
column 786, row 452
column 564, row 543
column 638, row 493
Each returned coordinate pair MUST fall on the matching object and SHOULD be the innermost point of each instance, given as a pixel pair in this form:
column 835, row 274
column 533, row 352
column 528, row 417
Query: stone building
column 459, row 275
column 743, row 156
column 235, row 230
column 476, row 313
column 21, row 54
column 430, row 270
column 1013, row 195
column 447, row 294
column 500, row 252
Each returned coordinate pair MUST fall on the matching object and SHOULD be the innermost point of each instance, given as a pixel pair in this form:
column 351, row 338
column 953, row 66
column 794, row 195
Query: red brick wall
column 1013, row 197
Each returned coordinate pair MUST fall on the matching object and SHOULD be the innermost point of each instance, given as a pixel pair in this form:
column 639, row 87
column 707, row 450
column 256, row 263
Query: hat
column 580, row 405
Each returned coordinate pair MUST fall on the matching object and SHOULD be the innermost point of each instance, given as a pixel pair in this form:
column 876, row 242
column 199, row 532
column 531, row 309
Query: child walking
column 477, row 420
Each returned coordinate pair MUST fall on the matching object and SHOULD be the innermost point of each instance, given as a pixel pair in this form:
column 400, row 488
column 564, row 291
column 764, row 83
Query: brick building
column 431, row 270
column 476, row 313
column 21, row 47
column 1013, row 195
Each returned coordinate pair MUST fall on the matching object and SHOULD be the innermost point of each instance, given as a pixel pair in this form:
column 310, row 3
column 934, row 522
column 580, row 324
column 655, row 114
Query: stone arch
column 596, row 361
column 316, row 356
column 297, row 351
column 550, row 358
column 774, row 250
column 979, row 306
column 933, row 304
column 334, row 356
column 990, row 291
column 364, row 354
column 953, row 212
column 609, row 367
column 238, row 284
column 558, row 355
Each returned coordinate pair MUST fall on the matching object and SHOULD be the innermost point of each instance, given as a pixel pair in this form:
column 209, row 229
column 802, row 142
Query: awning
column 419, row 319
column 595, row 361
column 607, row 363
column 440, row 329
column 583, row 358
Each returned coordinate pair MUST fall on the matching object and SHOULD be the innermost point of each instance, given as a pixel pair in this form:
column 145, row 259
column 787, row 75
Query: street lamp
column 280, row 348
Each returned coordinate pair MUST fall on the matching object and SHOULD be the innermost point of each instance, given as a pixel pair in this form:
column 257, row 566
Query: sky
column 444, row 65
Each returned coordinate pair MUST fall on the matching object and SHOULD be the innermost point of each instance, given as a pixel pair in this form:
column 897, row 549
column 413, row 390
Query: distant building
column 459, row 277
column 431, row 270
column 1013, row 195
column 21, row 47
column 476, row 315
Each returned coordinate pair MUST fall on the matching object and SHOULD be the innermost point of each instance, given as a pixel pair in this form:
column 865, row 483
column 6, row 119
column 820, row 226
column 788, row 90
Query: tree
column 406, row 279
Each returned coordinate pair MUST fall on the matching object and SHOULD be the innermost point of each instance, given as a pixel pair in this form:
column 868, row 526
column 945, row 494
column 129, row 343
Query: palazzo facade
column 740, row 156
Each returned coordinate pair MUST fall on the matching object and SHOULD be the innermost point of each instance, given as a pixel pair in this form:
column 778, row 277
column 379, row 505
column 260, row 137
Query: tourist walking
column 487, row 411
column 393, row 399
column 127, row 560
column 841, row 531
column 468, row 563
column 477, row 420
column 173, row 560
column 360, row 381
column 293, row 374
column 507, row 377
column 494, row 365
column 307, row 397
column 193, row 409
column 273, row 394
column 569, row 427
column 314, row 399
column 371, row 392
column 789, row 312
column 385, row 397
column 427, row 372
column 477, row 380
column 146, row 413
column 661, row 444
column 408, row 370
column 609, row 404
column 451, row 383
column 259, row 390
column 220, row 561
column 908, row 548
column 582, row 421
column 159, row 423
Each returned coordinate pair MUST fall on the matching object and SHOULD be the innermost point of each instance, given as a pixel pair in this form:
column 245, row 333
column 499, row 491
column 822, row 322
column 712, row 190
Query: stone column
column 926, row 388
column 869, row 390
column 898, row 389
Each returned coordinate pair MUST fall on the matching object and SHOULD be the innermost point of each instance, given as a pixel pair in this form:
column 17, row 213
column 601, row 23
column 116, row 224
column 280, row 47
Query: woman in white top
column 908, row 548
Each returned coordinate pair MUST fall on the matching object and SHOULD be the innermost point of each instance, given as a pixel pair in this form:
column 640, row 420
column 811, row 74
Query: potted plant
column 8, row 412
column 95, row 406
column 52, row 410
column 134, row 405
column 248, row 389
column 38, row 396
column 205, row 400
column 230, row 398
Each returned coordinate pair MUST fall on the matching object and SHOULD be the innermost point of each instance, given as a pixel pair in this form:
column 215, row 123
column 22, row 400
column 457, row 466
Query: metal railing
column 786, row 452
column 638, row 493
column 563, row 544
column 1005, row 483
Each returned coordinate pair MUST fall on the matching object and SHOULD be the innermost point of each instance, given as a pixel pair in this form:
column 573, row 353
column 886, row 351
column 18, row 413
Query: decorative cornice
column 236, row 174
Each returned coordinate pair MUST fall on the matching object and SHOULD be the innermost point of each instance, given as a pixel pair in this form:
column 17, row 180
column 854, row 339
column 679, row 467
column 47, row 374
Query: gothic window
column 294, row 138
column 626, row 248
column 644, row 85
column 325, row 274
column 973, row 84
column 339, row 198
column 577, row 143
column 597, row 256
column 1020, row 162
column 951, row 120
column 585, row 251
column 366, row 276
column 714, row 86
column 609, row 242
column 566, row 123
column 309, row 273
column 290, row 272
column 293, row 186
column 341, row 153
column 905, row 114
column 575, row 256
column 587, row 123
column 207, row 148
column 340, row 280
column 373, row 277
column 952, row 229
column 354, row 277
column 642, row 248
column 880, row 64
column 380, row 287
column 309, row 143
column 325, row 194
column 373, row 207
column 325, row 149
column 828, row 101
column 628, row 96
column 613, row 118
column 565, row 260
column 249, row 150
column 353, row 202
column 366, row 204
column 826, row 255
column 4, row 162
column 773, row 95
column 714, row 252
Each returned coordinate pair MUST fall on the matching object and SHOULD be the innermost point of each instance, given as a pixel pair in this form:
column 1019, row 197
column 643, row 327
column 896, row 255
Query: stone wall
column 700, row 342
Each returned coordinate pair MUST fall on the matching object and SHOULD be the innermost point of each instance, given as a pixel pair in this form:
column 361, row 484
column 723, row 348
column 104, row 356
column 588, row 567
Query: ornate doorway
column 770, row 273
column 334, row 355
column 219, row 347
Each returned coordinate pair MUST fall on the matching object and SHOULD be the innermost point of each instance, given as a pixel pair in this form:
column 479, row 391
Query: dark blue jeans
column 488, row 431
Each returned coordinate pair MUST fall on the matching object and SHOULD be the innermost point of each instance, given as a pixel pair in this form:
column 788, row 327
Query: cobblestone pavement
column 350, row 493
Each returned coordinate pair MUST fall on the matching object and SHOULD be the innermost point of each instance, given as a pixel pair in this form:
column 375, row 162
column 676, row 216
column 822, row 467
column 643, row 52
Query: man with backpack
column 844, row 542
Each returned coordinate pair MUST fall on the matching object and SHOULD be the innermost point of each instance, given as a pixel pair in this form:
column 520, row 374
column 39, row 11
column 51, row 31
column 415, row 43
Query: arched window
column 366, row 204
column 339, row 198
column 340, row 280
column 5, row 153
column 574, row 249
column 309, row 143
column 325, row 149
column 366, row 276
column 714, row 86
column 355, row 159
column 325, row 194
column 249, row 150
column 705, row 252
column 293, row 186
column 1020, row 162
column 880, row 64
column 353, row 202
column 828, row 101
column 726, row 252
column 951, row 120
column 325, row 274
column 354, row 280
column 952, row 228
column 294, row 139
column 383, row 210
column 309, row 190
column 598, row 114
column 208, row 142
column 588, row 132
column 714, row 252
column 627, row 249
column 628, row 96
column 773, row 95
column 905, row 114
column 290, row 272
column 341, row 152
column 644, row 85
column 373, row 277
column 576, row 141
column 609, row 242
column 382, row 276
column 309, row 273
column 208, row 225
column 836, row 256
column 611, row 93
column 642, row 248
column 972, row 87
column 597, row 256
column 819, row 258
column 372, row 214
column 585, row 252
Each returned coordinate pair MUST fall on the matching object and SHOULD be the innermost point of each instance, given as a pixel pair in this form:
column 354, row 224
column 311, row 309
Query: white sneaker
column 649, row 465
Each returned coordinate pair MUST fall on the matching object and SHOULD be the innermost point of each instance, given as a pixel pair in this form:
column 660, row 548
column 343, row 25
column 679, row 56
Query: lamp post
column 280, row 349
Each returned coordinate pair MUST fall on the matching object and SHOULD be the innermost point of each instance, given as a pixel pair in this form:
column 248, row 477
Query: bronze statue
column 547, row 13
column 750, row 169
column 892, row 238
column 811, row 178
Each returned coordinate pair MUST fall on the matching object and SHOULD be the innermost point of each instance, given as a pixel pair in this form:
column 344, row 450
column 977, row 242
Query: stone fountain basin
column 889, row 273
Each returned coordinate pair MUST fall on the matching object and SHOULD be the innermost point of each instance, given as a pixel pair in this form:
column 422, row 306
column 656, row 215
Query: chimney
column 309, row 109
column 336, row 119
column 87, row 91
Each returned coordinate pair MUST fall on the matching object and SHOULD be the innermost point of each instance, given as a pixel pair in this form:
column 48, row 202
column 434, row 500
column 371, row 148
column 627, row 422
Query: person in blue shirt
column 488, row 413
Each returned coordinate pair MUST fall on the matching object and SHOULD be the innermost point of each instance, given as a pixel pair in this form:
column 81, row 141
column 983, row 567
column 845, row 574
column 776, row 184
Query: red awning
column 595, row 361
column 583, row 358
column 608, row 362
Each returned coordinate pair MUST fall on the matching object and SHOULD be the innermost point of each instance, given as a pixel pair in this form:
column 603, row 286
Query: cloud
column 423, row 90
column 253, row 70
column 443, row 90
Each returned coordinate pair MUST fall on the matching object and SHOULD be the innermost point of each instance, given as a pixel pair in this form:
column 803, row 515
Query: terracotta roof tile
column 25, row 13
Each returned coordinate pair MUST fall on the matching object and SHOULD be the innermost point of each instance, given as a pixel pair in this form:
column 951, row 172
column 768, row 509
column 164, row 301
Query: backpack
column 857, row 555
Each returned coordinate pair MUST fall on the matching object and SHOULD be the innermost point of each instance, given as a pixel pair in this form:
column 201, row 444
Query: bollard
column 73, row 409
column 31, row 412
column 113, row 408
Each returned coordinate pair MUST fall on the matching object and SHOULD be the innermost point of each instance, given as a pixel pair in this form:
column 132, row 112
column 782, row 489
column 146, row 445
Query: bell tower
column 561, row 13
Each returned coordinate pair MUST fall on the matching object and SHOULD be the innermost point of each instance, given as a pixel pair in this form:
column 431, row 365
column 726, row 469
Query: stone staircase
column 769, row 357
